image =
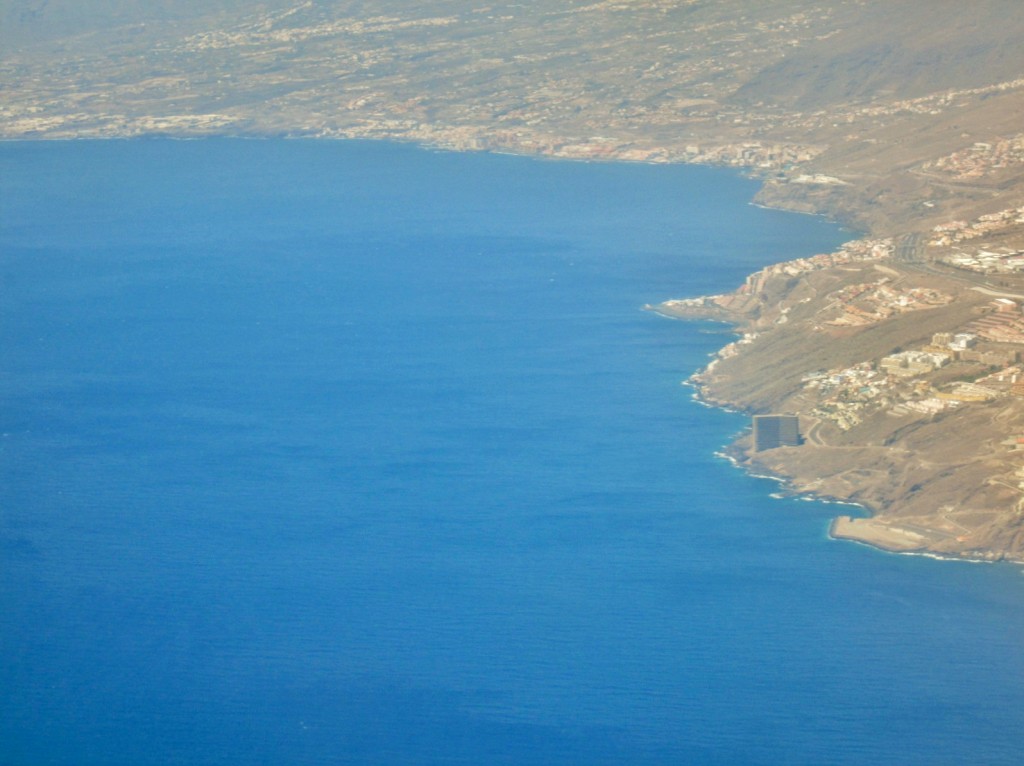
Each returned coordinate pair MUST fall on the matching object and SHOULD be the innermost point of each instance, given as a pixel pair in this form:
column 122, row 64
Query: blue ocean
column 358, row 453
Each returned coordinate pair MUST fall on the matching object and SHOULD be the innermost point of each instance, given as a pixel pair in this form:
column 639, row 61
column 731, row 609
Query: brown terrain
column 903, row 119
column 933, row 455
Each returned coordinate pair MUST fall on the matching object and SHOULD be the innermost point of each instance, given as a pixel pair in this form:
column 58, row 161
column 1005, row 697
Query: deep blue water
column 320, row 453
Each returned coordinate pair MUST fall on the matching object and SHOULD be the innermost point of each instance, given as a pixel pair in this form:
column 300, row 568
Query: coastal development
column 908, row 385
column 899, row 357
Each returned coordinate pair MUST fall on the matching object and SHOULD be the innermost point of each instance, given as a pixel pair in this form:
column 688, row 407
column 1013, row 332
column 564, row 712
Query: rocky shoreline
column 944, row 483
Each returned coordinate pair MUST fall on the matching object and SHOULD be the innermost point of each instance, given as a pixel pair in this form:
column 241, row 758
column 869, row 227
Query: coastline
column 728, row 564
column 829, row 468
column 880, row 528
column 337, row 434
column 759, row 309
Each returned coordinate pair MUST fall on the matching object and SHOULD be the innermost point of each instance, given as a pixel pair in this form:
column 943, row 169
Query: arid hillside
column 848, row 108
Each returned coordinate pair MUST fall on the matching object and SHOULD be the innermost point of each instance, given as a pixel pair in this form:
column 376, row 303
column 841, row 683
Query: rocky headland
column 908, row 383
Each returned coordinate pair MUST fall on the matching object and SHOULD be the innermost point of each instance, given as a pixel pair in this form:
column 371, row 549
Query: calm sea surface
column 345, row 453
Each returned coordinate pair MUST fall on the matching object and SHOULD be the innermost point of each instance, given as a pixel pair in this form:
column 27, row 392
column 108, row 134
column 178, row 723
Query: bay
column 359, row 453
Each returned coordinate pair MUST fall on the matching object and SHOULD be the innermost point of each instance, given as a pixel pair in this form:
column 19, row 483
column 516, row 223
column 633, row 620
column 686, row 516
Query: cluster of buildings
column 832, row 382
column 907, row 364
column 753, row 154
column 947, row 347
column 898, row 383
column 1003, row 325
column 846, row 397
column 266, row 30
column 966, row 391
column 1006, row 261
column 818, row 179
column 854, row 251
column 951, row 233
column 846, row 394
column 868, row 303
column 534, row 140
column 851, row 252
column 928, row 407
column 980, row 159
column 82, row 125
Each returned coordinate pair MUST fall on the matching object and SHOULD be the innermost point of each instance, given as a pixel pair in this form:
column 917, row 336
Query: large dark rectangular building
column 772, row 431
